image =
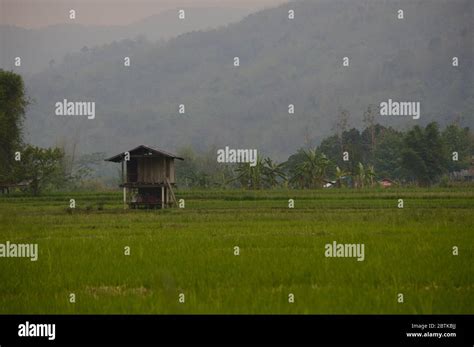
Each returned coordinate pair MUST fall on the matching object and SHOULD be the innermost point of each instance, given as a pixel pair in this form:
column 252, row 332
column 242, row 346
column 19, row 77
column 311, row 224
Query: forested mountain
column 40, row 48
column 282, row 61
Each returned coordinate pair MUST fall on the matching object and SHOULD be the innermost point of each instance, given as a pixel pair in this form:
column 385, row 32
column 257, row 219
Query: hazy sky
column 39, row 13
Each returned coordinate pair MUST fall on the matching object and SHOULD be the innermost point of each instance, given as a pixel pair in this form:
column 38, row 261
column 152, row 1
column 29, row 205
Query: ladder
column 173, row 197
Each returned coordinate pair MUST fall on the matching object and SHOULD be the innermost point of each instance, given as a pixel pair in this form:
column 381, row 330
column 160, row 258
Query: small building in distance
column 6, row 188
column 329, row 184
column 148, row 177
column 466, row 175
column 386, row 182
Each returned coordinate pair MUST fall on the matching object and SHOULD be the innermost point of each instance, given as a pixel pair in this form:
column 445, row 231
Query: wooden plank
column 171, row 192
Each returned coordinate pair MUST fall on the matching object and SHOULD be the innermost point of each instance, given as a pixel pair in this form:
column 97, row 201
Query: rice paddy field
column 281, row 253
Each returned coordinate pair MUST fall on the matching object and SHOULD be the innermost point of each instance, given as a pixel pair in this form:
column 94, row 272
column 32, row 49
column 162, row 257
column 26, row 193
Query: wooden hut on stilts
column 148, row 177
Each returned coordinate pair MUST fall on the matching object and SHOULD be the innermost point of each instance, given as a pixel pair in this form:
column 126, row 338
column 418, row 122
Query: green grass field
column 191, row 251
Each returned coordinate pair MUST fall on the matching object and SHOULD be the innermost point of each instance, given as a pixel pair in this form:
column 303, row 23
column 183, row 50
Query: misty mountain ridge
column 43, row 47
column 282, row 62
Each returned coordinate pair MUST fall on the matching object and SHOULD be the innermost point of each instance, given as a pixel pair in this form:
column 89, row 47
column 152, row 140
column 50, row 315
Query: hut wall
column 153, row 170
column 131, row 170
column 171, row 171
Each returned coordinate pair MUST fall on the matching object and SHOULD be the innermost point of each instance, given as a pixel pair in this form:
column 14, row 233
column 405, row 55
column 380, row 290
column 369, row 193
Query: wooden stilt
column 124, row 198
column 162, row 197
column 124, row 169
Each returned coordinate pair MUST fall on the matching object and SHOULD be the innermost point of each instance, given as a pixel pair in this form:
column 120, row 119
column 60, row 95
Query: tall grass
column 191, row 251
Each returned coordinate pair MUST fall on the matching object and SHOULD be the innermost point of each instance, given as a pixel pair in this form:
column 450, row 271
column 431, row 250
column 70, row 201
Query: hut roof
column 143, row 150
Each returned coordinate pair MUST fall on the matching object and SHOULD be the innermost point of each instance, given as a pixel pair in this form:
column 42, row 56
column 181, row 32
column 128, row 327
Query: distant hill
column 38, row 47
column 282, row 61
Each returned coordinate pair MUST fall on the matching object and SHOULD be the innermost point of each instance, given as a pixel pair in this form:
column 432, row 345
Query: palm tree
column 272, row 172
column 370, row 175
column 360, row 175
column 310, row 172
column 340, row 174
column 250, row 176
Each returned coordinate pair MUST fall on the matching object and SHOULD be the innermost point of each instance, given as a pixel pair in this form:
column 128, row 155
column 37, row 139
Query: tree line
column 421, row 155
